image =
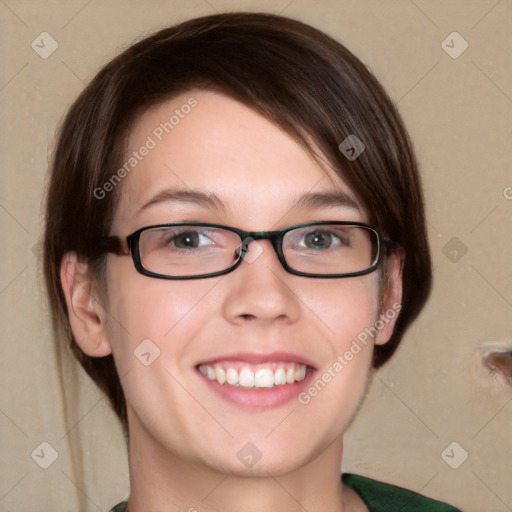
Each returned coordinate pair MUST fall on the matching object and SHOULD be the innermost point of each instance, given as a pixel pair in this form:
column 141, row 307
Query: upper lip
column 260, row 358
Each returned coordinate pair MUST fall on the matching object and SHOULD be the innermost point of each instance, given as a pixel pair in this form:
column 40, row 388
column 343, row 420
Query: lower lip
column 258, row 398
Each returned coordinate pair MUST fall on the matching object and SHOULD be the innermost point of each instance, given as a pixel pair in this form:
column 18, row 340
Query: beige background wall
column 435, row 392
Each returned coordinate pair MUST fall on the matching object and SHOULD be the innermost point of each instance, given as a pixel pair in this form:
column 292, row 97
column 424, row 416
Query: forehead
column 208, row 142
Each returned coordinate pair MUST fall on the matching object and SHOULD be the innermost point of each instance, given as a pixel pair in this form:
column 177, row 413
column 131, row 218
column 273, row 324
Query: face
column 258, row 318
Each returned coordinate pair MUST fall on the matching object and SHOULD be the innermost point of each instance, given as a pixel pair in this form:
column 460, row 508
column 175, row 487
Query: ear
column 86, row 316
column 391, row 302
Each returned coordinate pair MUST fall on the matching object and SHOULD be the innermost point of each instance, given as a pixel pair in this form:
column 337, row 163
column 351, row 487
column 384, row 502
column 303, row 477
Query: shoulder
column 382, row 497
column 120, row 507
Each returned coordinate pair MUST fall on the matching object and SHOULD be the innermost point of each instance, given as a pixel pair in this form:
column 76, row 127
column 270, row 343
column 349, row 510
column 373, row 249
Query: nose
column 259, row 290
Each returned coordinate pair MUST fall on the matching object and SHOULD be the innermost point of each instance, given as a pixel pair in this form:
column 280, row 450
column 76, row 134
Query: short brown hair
column 293, row 74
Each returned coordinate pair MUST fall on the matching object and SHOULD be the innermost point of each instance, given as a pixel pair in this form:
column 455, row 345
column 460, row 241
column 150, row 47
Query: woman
column 235, row 237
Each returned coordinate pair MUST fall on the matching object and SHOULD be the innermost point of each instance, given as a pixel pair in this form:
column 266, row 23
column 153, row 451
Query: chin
column 259, row 459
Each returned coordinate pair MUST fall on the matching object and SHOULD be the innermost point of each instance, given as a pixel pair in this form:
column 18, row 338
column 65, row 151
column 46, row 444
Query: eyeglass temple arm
column 390, row 245
column 114, row 244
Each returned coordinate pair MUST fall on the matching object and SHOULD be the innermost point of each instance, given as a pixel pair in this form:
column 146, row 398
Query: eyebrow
column 329, row 198
column 206, row 199
column 211, row 200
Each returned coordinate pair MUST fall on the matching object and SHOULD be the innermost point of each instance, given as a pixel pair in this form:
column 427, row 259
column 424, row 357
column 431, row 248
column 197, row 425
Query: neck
column 162, row 481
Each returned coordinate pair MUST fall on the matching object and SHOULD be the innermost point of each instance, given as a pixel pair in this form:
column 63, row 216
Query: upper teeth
column 262, row 377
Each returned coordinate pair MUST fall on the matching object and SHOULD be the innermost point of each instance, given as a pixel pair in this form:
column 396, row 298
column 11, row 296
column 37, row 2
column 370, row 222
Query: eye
column 323, row 239
column 187, row 239
column 318, row 240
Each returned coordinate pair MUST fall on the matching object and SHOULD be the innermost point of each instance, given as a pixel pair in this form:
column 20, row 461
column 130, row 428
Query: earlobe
column 392, row 297
column 85, row 314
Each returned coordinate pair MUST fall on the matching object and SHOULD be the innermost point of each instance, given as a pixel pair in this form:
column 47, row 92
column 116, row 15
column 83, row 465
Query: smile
column 267, row 375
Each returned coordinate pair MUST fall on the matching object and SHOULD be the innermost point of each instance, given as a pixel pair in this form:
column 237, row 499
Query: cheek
column 347, row 312
column 154, row 315
column 152, row 325
column 346, row 308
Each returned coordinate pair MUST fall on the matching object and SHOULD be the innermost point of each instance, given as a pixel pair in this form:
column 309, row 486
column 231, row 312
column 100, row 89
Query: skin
column 184, row 438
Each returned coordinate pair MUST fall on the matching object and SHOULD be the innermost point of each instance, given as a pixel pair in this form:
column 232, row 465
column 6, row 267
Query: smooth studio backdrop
column 435, row 420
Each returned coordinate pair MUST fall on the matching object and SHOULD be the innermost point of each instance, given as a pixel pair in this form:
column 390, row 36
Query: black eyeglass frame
column 130, row 245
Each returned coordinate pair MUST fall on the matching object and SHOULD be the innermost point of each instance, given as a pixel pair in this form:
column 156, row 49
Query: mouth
column 266, row 375
column 256, row 382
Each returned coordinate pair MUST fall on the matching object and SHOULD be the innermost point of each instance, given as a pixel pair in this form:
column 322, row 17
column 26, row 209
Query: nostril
column 499, row 361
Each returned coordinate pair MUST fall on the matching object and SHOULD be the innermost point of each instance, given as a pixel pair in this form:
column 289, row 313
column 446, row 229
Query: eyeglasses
column 192, row 250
